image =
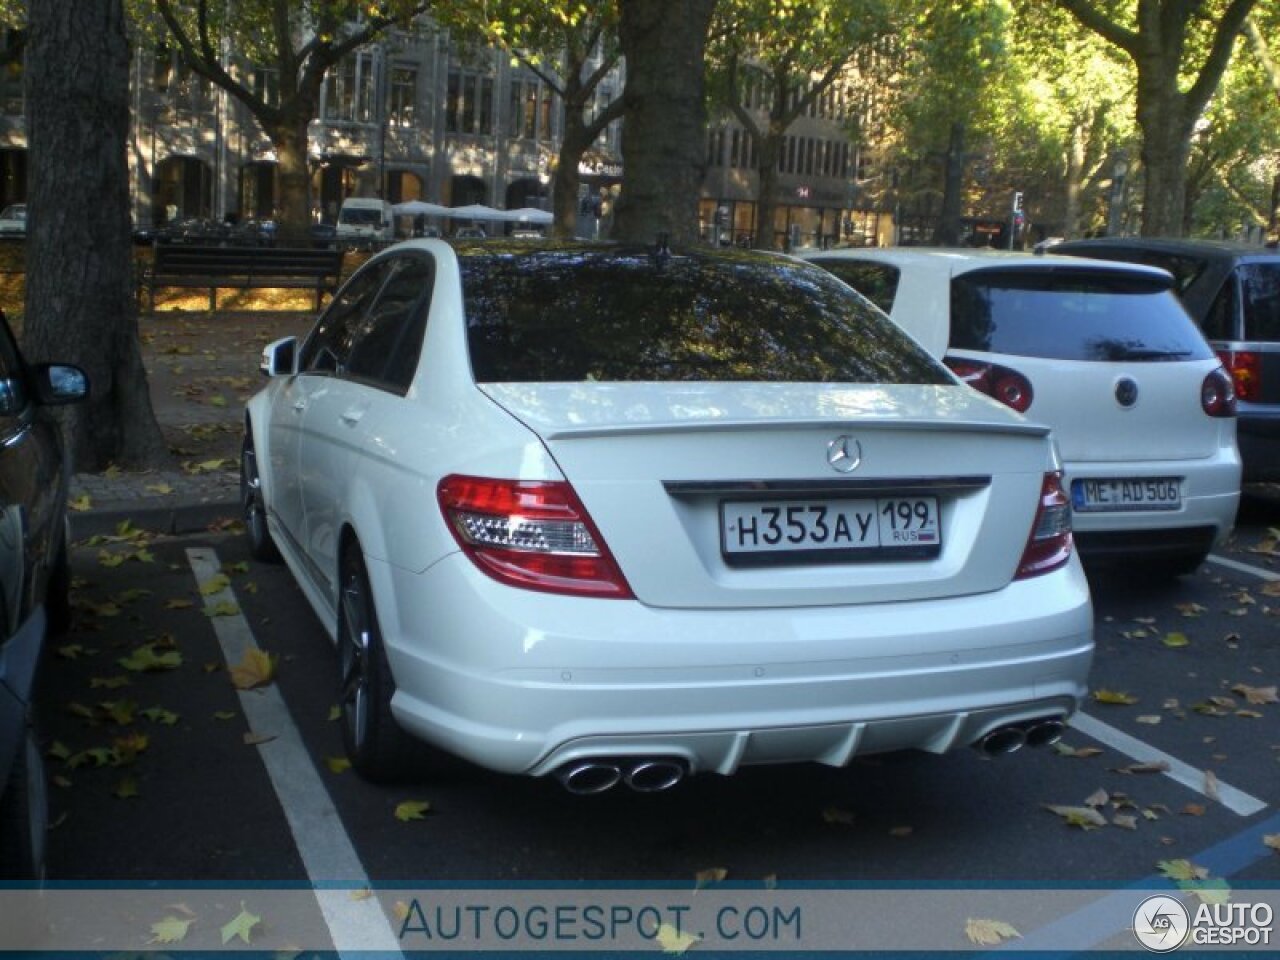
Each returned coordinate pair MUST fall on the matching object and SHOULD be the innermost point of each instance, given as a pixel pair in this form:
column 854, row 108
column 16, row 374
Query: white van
column 365, row 222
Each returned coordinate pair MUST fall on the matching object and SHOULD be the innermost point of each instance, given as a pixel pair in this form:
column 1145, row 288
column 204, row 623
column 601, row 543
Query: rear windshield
column 559, row 316
column 1260, row 286
column 878, row 282
column 1072, row 315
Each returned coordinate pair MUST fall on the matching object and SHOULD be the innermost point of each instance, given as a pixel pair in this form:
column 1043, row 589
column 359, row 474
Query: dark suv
column 1233, row 292
column 33, row 585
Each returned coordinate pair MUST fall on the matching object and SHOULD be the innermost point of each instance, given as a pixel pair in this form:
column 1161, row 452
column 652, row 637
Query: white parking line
column 1235, row 800
column 333, row 867
column 1239, row 567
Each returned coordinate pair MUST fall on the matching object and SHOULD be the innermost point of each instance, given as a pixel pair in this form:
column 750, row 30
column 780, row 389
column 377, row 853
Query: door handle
column 299, row 406
column 353, row 416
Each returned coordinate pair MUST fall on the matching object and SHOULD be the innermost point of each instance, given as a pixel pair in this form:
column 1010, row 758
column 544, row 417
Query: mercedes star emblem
column 844, row 453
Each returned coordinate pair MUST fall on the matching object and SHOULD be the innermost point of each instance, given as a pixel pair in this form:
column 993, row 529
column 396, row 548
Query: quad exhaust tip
column 644, row 775
column 1013, row 737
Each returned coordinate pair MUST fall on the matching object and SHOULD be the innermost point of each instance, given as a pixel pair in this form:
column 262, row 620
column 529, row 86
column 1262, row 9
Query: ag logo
column 1161, row 923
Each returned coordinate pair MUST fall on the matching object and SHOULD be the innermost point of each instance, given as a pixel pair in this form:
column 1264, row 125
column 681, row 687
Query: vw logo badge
column 1126, row 392
column 844, row 453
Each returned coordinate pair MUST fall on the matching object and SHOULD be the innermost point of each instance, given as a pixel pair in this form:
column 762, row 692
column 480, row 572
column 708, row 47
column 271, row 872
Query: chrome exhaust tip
column 652, row 776
column 1003, row 741
column 1045, row 733
column 589, row 777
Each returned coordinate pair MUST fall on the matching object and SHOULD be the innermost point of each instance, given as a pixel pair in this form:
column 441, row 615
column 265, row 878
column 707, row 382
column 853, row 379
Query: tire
column 377, row 747
column 57, row 600
column 24, row 817
column 252, row 510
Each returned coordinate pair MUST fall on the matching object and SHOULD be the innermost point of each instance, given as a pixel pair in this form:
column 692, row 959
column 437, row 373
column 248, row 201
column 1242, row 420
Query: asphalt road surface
column 165, row 773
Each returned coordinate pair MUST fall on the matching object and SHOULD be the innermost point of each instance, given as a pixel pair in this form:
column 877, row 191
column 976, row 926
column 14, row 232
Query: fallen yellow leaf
column 170, row 930
column 1086, row 818
column 412, row 810
column 986, row 932
column 1114, row 697
column 257, row 669
column 675, row 941
column 704, row 878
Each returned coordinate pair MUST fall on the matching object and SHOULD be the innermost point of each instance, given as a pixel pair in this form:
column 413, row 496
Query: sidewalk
column 201, row 369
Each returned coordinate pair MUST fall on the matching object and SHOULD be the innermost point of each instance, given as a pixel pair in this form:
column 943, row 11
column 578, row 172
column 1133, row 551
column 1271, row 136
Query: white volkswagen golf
column 622, row 515
column 1141, row 408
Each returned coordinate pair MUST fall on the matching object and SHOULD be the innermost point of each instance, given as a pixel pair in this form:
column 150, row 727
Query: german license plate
column 1146, row 493
column 830, row 530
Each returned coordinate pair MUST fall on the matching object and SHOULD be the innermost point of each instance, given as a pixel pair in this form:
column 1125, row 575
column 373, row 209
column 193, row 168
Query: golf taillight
column 1218, row 394
column 1008, row 386
column 534, row 534
column 1049, row 546
column 1245, row 368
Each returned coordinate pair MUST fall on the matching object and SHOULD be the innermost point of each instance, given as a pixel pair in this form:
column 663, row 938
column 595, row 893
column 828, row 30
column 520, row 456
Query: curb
column 168, row 519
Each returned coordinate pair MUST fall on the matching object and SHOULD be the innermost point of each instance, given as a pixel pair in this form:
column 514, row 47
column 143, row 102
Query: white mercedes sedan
column 621, row 515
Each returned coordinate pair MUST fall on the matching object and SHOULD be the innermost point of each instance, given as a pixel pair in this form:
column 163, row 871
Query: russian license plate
column 1146, row 493
column 830, row 530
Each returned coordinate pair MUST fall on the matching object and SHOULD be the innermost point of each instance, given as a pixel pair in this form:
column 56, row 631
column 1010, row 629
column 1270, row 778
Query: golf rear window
column 1072, row 315
column 587, row 315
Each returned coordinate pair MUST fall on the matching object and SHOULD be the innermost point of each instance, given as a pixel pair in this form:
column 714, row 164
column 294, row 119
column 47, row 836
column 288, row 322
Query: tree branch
column 1215, row 64
column 1092, row 18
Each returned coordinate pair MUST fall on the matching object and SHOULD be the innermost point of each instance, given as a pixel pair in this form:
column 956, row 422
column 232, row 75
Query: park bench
column 212, row 268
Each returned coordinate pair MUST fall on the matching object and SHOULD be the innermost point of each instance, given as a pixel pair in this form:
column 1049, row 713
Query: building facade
column 419, row 116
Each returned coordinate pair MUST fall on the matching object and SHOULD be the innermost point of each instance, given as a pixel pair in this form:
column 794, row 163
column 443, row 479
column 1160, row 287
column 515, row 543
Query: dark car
column 1232, row 291
column 33, row 585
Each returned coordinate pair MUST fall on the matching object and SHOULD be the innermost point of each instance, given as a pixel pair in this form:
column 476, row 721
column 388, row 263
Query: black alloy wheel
column 378, row 749
column 253, row 510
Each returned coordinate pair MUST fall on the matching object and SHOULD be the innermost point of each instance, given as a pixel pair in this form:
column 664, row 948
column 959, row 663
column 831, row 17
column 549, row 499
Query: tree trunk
column 770, row 148
column 1273, row 211
column 1075, row 181
column 1166, row 146
column 663, row 148
column 947, row 233
column 292, row 151
column 80, row 297
column 564, row 183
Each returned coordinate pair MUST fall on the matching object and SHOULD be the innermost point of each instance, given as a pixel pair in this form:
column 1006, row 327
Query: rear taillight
column 1049, row 546
column 1008, row 386
column 530, row 534
column 1245, row 368
column 1218, row 394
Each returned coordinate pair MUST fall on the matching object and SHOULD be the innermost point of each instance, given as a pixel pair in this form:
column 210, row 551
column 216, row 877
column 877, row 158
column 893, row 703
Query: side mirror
column 280, row 358
column 58, row 384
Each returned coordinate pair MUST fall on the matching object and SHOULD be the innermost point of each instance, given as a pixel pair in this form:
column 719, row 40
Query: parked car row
column 34, row 580
column 206, row 231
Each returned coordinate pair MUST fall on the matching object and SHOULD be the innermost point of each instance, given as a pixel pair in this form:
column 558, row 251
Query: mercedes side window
column 384, row 351
column 326, row 349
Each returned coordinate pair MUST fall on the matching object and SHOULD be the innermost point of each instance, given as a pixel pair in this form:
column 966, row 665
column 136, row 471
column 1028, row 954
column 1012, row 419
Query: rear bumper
column 523, row 682
column 1210, row 497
